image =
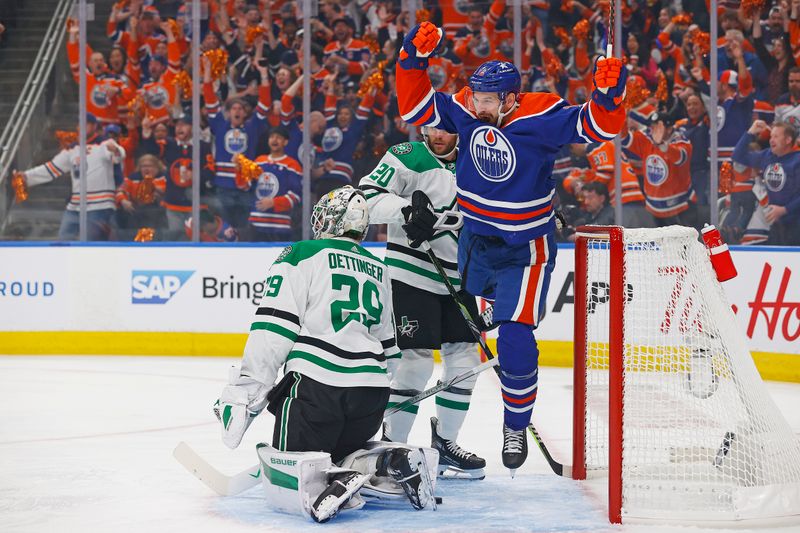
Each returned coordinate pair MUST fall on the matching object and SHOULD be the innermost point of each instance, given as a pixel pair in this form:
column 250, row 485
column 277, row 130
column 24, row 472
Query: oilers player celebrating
column 425, row 314
column 509, row 141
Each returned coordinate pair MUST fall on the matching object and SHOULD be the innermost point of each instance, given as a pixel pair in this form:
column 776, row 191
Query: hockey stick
column 214, row 479
column 558, row 468
column 441, row 386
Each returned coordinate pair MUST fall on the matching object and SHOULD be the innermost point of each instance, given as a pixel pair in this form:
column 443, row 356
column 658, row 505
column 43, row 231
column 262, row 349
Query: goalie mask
column 342, row 212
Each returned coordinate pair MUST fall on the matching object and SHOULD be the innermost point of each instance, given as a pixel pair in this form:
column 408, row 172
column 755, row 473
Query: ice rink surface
column 86, row 446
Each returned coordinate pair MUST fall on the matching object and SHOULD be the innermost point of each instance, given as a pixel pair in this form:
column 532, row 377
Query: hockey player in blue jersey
column 505, row 191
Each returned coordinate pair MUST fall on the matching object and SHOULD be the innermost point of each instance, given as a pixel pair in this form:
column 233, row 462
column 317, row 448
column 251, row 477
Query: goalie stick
column 220, row 483
column 558, row 468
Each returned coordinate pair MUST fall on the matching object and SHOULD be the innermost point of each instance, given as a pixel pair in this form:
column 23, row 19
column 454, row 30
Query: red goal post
column 667, row 401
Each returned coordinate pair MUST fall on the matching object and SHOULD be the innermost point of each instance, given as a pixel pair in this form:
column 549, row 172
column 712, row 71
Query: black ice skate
column 407, row 467
column 341, row 488
column 515, row 448
column 453, row 458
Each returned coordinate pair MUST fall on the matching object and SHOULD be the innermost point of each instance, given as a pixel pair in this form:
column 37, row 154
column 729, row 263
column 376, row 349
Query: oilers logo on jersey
column 492, row 154
column 99, row 96
column 438, row 76
column 720, row 117
column 267, row 185
column 774, row 177
column 483, row 48
column 656, row 169
column 236, row 141
column 157, row 97
column 332, row 139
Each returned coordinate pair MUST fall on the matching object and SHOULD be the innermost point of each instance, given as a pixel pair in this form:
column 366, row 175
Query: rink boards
column 199, row 300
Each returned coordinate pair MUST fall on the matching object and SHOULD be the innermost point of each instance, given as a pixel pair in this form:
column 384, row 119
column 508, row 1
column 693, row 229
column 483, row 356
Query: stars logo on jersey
column 407, row 327
column 492, row 154
column 286, row 251
column 402, row 149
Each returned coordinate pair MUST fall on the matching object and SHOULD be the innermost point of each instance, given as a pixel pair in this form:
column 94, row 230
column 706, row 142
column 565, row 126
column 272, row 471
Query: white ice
column 86, row 446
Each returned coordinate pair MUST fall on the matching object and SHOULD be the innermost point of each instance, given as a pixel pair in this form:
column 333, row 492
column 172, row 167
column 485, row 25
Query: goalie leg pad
column 293, row 480
column 410, row 377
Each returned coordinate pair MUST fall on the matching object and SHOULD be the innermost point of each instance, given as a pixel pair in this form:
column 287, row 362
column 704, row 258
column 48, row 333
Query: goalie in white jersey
column 425, row 314
column 326, row 318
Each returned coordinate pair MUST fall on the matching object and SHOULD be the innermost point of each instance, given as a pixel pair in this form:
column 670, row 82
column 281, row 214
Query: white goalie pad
column 293, row 480
column 381, row 487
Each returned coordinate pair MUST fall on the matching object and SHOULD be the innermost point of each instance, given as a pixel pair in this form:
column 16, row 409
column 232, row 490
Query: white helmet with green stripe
column 342, row 212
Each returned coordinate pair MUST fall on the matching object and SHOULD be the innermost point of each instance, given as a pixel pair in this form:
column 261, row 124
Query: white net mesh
column 702, row 438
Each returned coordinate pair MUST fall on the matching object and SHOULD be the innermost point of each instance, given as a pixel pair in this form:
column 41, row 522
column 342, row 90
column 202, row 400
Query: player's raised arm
column 418, row 102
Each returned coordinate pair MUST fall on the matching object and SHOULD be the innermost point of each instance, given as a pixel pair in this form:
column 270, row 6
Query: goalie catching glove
column 609, row 77
column 420, row 219
column 240, row 402
column 418, row 45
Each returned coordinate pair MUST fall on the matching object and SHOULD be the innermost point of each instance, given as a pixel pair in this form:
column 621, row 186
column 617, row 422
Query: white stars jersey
column 405, row 168
column 327, row 314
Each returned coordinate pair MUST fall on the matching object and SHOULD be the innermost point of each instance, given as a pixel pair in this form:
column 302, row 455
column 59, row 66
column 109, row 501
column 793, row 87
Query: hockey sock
column 410, row 377
column 519, row 372
column 452, row 403
column 398, row 425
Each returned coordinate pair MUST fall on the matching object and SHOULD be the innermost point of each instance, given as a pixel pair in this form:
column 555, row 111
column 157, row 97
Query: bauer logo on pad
column 157, row 286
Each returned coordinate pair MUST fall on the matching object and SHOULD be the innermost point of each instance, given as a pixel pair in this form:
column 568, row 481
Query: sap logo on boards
column 157, row 286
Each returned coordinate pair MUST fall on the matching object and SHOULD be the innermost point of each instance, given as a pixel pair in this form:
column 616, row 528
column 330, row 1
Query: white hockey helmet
column 342, row 212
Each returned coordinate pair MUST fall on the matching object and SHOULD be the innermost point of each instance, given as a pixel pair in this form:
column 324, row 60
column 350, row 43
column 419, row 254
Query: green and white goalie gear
column 343, row 212
column 240, row 402
column 293, row 481
column 342, row 486
column 396, row 471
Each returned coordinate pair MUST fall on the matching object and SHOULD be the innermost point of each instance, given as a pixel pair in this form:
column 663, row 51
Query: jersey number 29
column 343, row 311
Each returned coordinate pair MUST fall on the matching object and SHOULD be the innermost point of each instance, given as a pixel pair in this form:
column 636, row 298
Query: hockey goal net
column 668, row 403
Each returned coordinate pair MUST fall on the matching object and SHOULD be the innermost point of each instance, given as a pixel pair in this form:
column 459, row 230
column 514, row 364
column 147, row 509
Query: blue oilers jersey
column 229, row 141
column 281, row 181
column 504, row 176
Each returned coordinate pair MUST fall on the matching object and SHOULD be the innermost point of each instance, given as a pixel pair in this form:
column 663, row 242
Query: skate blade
column 451, row 472
column 427, row 482
column 512, row 471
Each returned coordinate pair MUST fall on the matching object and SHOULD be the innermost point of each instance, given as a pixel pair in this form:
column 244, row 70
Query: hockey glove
column 420, row 219
column 240, row 402
column 609, row 77
column 418, row 45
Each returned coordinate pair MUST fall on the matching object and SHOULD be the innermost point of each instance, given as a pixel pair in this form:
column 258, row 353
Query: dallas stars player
column 326, row 317
column 425, row 314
